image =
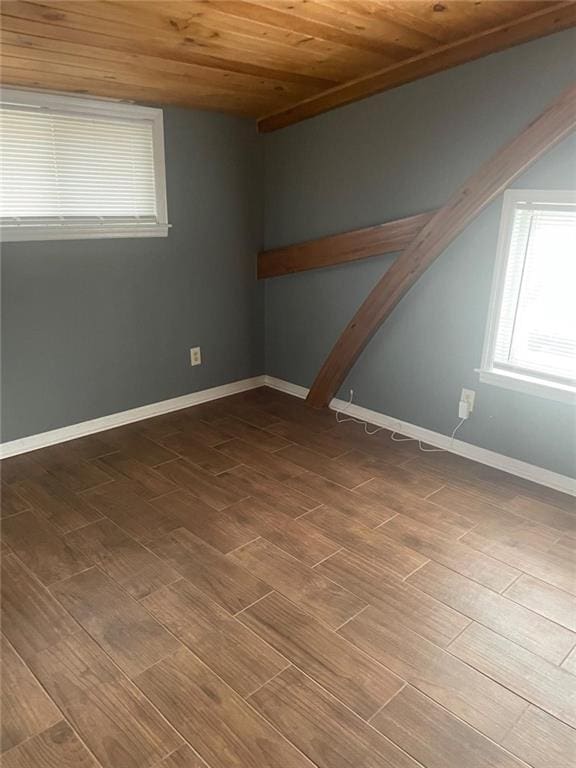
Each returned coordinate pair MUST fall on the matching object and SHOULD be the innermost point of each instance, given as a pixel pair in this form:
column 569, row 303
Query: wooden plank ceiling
column 279, row 61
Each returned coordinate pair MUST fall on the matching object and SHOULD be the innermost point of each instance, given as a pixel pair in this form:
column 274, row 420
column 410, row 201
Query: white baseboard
column 482, row 455
column 54, row 436
column 286, row 386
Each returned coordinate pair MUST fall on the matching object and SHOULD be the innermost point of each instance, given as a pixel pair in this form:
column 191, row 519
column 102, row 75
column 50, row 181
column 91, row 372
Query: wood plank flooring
column 247, row 584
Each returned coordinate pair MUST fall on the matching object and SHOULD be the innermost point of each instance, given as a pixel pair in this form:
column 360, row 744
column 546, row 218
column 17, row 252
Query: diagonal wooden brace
column 553, row 125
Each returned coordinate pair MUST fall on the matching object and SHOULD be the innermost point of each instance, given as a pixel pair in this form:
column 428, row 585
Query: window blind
column 66, row 169
column 536, row 333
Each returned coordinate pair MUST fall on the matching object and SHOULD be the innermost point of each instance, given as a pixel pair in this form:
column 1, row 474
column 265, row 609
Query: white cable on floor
column 356, row 421
column 393, row 436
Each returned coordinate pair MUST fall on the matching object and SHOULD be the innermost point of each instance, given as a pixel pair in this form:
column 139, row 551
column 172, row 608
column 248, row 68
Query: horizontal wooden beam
column 357, row 244
column 554, row 124
column 538, row 24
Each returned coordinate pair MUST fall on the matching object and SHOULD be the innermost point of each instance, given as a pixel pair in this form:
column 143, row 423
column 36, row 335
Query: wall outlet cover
column 195, row 356
column 468, row 396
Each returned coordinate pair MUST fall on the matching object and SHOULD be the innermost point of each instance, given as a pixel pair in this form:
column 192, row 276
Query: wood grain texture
column 541, row 740
column 546, row 566
column 337, row 472
column 10, row 501
column 279, row 62
column 494, row 520
column 284, row 499
column 374, row 544
column 251, row 434
column 184, row 445
column 137, row 446
column 453, row 554
column 109, row 713
column 393, row 597
column 545, row 514
column 380, row 446
column 120, row 625
column 466, row 476
column 324, row 443
column 91, row 446
column 355, row 679
column 325, row 730
column 121, row 557
column 443, row 57
column 515, row 531
column 462, row 690
column 37, row 545
column 265, row 462
column 121, row 502
column 316, row 594
column 296, row 537
column 527, row 629
column 222, row 531
column 31, row 618
column 401, row 499
column 56, row 747
column 448, row 621
column 225, row 731
column 329, row 251
column 69, row 469
column 147, row 481
column 62, row 508
column 295, row 411
column 182, row 758
column 556, row 122
column 530, row 676
column 26, row 709
column 218, row 492
column 220, row 578
column 21, row 467
column 555, row 604
column 368, row 512
column 436, row 738
column 234, row 653
column 569, row 663
column 400, row 478
column 188, row 423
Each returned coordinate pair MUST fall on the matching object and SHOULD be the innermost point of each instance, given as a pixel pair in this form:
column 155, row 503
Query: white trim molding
column 91, row 427
column 98, row 225
column 475, row 453
column 562, row 393
column 483, row 456
column 511, row 254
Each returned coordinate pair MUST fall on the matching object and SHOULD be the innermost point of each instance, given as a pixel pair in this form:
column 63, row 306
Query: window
column 79, row 168
column 531, row 336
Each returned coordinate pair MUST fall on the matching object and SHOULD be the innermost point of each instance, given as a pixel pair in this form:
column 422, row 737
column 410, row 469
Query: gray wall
column 93, row 327
column 392, row 155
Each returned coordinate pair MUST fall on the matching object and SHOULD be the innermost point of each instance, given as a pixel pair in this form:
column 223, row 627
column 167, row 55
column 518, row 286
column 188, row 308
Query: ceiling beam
column 329, row 251
column 553, row 125
column 538, row 24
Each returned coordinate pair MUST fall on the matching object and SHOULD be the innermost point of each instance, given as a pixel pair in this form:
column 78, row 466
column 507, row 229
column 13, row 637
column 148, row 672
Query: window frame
column 541, row 386
column 110, row 109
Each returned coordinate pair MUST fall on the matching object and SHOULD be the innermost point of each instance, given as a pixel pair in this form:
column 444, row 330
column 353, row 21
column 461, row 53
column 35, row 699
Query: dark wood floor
column 246, row 584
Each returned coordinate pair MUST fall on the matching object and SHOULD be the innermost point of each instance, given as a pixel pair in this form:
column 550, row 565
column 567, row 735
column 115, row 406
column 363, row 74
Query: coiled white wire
column 341, row 417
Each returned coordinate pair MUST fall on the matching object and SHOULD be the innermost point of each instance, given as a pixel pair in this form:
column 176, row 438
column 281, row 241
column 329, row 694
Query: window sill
column 24, row 233
column 531, row 385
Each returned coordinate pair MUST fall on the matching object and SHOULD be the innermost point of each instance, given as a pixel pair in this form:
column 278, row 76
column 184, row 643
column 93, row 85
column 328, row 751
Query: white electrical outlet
column 468, row 395
column 466, row 404
column 195, row 356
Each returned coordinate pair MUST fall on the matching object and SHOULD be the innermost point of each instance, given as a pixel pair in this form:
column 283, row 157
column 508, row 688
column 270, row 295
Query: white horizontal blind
column 536, row 332
column 64, row 168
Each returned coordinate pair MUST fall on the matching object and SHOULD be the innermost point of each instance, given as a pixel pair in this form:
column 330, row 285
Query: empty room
column 288, row 383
